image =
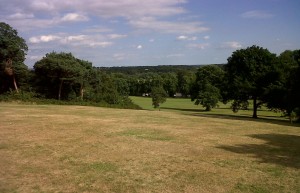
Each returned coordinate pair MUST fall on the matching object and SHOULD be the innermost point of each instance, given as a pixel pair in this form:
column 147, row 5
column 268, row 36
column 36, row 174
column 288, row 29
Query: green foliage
column 185, row 80
column 12, row 46
column 250, row 72
column 56, row 70
column 284, row 94
column 13, row 49
column 205, row 90
column 158, row 95
column 208, row 97
column 170, row 83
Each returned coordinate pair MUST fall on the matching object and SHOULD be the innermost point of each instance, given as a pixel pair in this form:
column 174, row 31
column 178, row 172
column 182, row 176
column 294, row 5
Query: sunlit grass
column 186, row 106
column 88, row 149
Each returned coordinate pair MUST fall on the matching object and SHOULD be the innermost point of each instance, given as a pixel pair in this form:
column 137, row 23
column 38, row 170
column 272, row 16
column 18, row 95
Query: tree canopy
column 250, row 72
column 12, row 55
column 159, row 96
column 206, row 88
column 59, row 68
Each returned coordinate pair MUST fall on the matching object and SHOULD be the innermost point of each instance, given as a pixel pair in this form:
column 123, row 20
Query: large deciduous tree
column 284, row 94
column 13, row 49
column 250, row 72
column 206, row 88
column 60, row 68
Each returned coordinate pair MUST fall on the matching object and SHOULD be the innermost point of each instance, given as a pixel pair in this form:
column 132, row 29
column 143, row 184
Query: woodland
column 250, row 74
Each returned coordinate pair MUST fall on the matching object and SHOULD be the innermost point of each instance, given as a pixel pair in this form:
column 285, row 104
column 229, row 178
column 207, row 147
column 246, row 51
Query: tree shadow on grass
column 279, row 149
column 243, row 117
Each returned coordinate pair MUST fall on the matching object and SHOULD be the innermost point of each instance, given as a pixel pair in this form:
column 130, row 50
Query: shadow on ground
column 278, row 149
column 244, row 117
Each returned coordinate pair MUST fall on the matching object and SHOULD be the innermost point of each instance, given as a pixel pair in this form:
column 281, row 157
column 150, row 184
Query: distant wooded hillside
column 156, row 69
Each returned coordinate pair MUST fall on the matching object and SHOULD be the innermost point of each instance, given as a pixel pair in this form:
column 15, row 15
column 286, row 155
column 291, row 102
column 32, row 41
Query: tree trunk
column 10, row 72
column 255, row 105
column 15, row 84
column 81, row 92
column 60, row 87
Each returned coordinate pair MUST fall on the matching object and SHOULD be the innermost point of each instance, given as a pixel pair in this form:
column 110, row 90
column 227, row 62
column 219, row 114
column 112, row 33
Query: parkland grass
column 48, row 148
column 186, row 106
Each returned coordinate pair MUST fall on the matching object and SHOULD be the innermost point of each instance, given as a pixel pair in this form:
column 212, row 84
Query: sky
column 152, row 32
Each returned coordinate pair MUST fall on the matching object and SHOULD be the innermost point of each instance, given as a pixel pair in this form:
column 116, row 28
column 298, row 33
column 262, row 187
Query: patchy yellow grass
column 88, row 149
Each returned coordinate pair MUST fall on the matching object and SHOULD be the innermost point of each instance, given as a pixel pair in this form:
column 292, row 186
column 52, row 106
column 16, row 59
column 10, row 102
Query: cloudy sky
column 152, row 32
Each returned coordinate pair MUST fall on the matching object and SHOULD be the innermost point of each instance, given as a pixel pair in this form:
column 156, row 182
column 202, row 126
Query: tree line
column 251, row 74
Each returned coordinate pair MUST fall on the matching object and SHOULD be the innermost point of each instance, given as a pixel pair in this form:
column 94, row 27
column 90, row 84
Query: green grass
column 186, row 106
column 48, row 148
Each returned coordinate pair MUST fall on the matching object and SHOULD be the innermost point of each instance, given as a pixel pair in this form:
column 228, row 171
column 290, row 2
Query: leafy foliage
column 250, row 72
column 206, row 88
column 284, row 94
column 12, row 55
column 158, row 96
column 57, row 69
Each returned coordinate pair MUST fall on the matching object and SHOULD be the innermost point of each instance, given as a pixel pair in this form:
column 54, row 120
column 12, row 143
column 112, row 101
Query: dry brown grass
column 88, row 149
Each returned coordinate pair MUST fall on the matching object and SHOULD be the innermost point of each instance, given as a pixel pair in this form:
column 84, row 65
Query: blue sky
column 152, row 32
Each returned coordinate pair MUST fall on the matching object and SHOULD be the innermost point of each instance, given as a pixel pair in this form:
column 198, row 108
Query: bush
column 33, row 98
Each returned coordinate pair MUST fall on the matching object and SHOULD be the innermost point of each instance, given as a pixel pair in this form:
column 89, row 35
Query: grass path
column 48, row 148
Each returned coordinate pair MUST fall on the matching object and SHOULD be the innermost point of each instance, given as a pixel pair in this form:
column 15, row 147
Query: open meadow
column 48, row 148
column 187, row 107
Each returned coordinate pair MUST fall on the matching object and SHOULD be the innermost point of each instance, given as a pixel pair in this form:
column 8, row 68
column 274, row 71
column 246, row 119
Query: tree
column 250, row 72
column 158, row 95
column 58, row 68
column 205, row 90
column 284, row 94
column 185, row 79
column 170, row 83
column 12, row 52
column 84, row 75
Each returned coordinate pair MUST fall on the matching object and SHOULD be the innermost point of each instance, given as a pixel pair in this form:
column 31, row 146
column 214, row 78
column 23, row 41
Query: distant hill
column 154, row 69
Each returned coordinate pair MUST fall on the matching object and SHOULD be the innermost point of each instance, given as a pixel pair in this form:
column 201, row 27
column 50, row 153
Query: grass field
column 48, row 148
column 186, row 106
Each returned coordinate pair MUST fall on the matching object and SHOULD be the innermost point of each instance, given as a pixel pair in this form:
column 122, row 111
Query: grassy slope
column 87, row 149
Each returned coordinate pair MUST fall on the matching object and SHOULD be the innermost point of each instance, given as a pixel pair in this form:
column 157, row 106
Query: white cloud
column 21, row 16
column 97, row 29
column 139, row 47
column 74, row 17
column 182, row 38
column 151, row 40
column 103, row 8
column 40, row 5
column 116, row 36
column 151, row 23
column 187, row 38
column 45, row 38
column 145, row 15
column 199, row 46
column 98, row 44
column 257, row 14
column 34, row 57
column 231, row 45
column 206, row 37
column 193, row 38
column 73, row 40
